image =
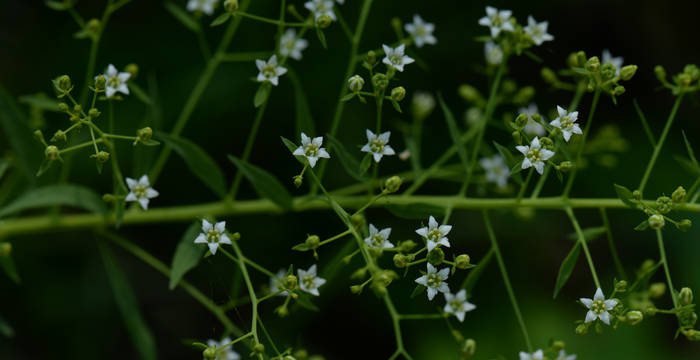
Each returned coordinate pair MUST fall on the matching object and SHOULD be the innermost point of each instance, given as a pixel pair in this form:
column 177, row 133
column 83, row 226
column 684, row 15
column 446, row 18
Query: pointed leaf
column 513, row 163
column 304, row 121
column 455, row 133
column 642, row 226
column 349, row 162
column 187, row 254
column 475, row 274
column 644, row 277
column 567, row 267
column 689, row 148
column 262, row 94
column 305, row 301
column 16, row 130
column 199, row 163
column 182, row 16
column 221, row 19
column 265, row 184
column 366, row 163
column 8, row 265
column 321, row 37
column 40, row 101
column 417, row 291
column 589, row 234
column 626, row 196
column 69, row 195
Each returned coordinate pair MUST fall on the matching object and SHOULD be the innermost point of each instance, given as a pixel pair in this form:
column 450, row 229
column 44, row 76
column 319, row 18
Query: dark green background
column 64, row 308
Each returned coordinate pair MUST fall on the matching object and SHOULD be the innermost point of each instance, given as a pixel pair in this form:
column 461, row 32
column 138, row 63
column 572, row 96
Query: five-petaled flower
column 434, row 281
column 115, row 81
column 378, row 146
column 311, row 149
column 457, row 304
column 598, row 307
column 537, row 31
column 140, row 191
column 378, row 239
column 309, row 281
column 223, row 352
column 537, row 355
column 532, row 127
column 213, row 235
column 434, row 234
column 562, row 356
column 566, row 122
column 497, row 21
column 205, row 6
column 320, row 8
column 535, row 155
column 277, row 283
column 421, row 31
column 493, row 53
column 496, row 170
column 269, row 70
column 291, row 45
column 616, row 61
column 395, row 57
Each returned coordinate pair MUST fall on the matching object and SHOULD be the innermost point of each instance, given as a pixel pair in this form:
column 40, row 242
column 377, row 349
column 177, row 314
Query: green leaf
column 221, row 19
column 301, row 247
column 514, row 164
column 645, row 124
column 16, row 130
column 58, row 5
column 262, row 94
column 149, row 143
column 475, row 274
column 321, row 37
column 642, row 226
column 5, row 329
column 396, row 106
column 691, row 153
column 187, row 254
column 136, row 327
column 8, row 265
column 199, row 162
column 417, row 291
column 140, row 93
column 589, row 234
column 366, row 163
column 414, row 211
column 182, row 16
column 626, row 196
column 40, row 101
column 51, row 195
column 304, row 301
column 347, row 97
column 455, row 133
column 265, row 184
column 304, row 121
column 567, row 267
column 349, row 162
column 292, row 147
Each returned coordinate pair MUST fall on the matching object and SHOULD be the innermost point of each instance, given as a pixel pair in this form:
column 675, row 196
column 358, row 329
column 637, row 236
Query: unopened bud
column 558, row 345
column 52, row 153
column 627, row 72
column 678, row 195
column 312, row 241
column 100, row 82
column 407, row 245
column 371, row 57
column 62, row 107
column 392, row 184
column 59, row 135
column 144, row 134
column 259, row 349
column 358, row 220
column 685, row 296
column 209, row 353
column 692, row 71
column 298, row 180
column 290, row 282
column 400, row 261
column 398, row 93
column 593, row 64
column 657, row 290
column 524, row 95
column 132, row 69
column 94, row 113
column 356, row 289
column 684, row 225
column 463, row 261
column 469, row 348
column 607, row 71
column 469, row 93
column 582, row 329
column 521, row 121
column 660, row 73
column 436, row 257
column 231, row 5
column 324, row 21
column 581, row 58
column 692, row 334
column 355, row 83
column 547, row 143
column 618, row 90
column 565, row 166
column 101, row 156
column 549, row 76
column 656, row 222
column 64, row 83
column 39, row 136
column 93, row 26
column 634, row 317
column 621, row 286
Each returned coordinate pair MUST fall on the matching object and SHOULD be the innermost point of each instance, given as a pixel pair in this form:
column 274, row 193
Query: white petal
column 206, row 226
column 599, row 295
column 377, row 157
column 539, row 166
column 431, row 268
column 366, row 148
column 445, row 229
column 561, row 111
column 318, row 141
column 260, row 64
column 151, row 193
column 610, row 304
column 432, row 223
column 220, row 227
column 131, row 183
column 443, row 273
column 556, row 123
column 299, row 151
column 109, row 91
column 388, row 150
column 586, row 301
column 131, row 197
column 312, row 160
column 312, row 270
column 201, row 239
column 566, row 134
column 546, row 154
column 431, row 293
column 144, row 203
column 590, row 316
column 385, row 233
column 422, row 232
column 523, row 149
column 431, row 245
column 444, row 242
column 323, row 153
column 423, row 280
column 526, row 163
column 223, row 239
column 605, row 317
column 444, row 288
column 212, row 247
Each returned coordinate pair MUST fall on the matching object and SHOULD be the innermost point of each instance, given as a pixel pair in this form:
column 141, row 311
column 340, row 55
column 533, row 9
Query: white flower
column 421, row 31
column 535, row 155
column 395, row 57
column 563, row 356
column 497, row 20
column 493, row 53
column 566, row 122
column 496, row 170
column 532, row 127
column 115, row 81
column 458, row 304
column 276, row 282
column 320, row 8
column 213, row 235
column 223, row 353
column 140, row 191
column 538, row 32
column 434, row 234
column 269, row 70
column 291, row 46
column 378, row 145
column 537, row 355
column 434, row 281
column 205, row 6
column 598, row 307
column 378, row 239
column 616, row 61
column 311, row 149
column 309, row 282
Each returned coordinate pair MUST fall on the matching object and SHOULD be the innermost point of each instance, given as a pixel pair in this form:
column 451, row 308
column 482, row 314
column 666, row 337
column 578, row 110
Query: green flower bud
column 524, row 95
column 290, row 282
column 100, row 82
column 108, row 198
column 406, row 246
column 565, row 166
column 398, row 93
column 572, row 60
column 422, row 104
column 627, row 72
column 436, row 256
column 621, row 286
column 547, row 143
column 607, row 71
column 132, row 69
column 6, row 249
column 301, row 354
column 684, row 79
column 93, row 26
column 355, row 83
column 77, row 109
column 258, row 349
column 509, row 86
column 516, row 136
column 692, row 71
column 101, row 156
column 581, row 58
column 94, row 113
column 64, row 84
column 657, row 290
column 231, row 5
column 59, row 135
column 619, row 90
column 678, row 195
column 634, row 317
column 324, row 21
column 660, row 73
column 371, row 57
column 392, row 184
column 39, row 136
column 358, row 220
column 63, row 107
column 692, row 334
column 663, row 204
column 462, row 261
column 521, row 121
column 380, row 82
column 684, row 225
column 558, row 346
column 637, row 194
column 235, row 236
column 685, row 296
column 312, row 241
column 469, row 93
column 656, row 222
column 549, row 76
column 51, row 152
column 298, row 180
column 209, row 353
column 469, row 348
column 592, row 65
column 144, row 134
column 582, row 329
column 400, row 261
column 356, row 289
column 385, row 277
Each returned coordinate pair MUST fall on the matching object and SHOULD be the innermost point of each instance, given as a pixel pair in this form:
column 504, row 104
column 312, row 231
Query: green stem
column 613, row 251
column 584, row 245
column 271, row 21
column 248, row 148
column 251, row 291
column 582, row 143
column 662, row 252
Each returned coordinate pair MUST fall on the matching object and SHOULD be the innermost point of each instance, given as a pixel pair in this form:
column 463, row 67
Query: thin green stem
column 272, row 21
column 664, row 261
column 584, row 244
column 235, row 185
column 613, row 250
column 582, row 143
column 523, row 187
column 251, row 291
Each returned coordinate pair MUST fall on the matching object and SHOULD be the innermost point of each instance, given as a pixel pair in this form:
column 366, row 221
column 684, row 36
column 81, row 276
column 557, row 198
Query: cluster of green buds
column 687, row 317
column 311, row 243
column 603, row 77
column 683, row 82
column 380, row 83
column 658, row 211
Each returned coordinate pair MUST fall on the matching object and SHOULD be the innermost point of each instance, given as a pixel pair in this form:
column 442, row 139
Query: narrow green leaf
column 589, row 234
column 262, row 94
column 265, row 184
column 301, row 247
column 455, row 133
column 347, row 97
column 182, row 16
column 626, row 196
column 687, row 165
column 349, row 162
column 58, row 5
column 414, row 211
column 221, row 19
column 321, row 37
column 8, row 265
column 642, row 226
column 396, row 106
column 513, row 163
column 140, row 93
column 16, row 130
column 141, row 336
column 365, row 163
column 689, row 148
column 645, row 124
column 40, row 101
column 5, row 329
column 187, row 254
column 475, row 274
column 149, row 143
column 566, row 268
column 199, row 162
column 304, row 301
column 417, row 291
column 291, row 147
column 304, row 121
column 65, row 194
column 4, row 165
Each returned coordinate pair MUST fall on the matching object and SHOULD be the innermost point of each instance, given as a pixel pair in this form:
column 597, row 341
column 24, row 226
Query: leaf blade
column 265, row 184
column 566, row 268
column 187, row 255
column 64, row 194
column 199, row 162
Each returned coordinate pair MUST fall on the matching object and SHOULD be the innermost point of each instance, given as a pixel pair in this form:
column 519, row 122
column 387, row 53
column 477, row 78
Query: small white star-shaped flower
column 320, row 8
column 140, row 191
column 378, row 146
column 309, row 281
column 276, row 282
column 311, row 149
column 493, row 53
column 535, row 155
column 566, row 122
column 537, row 355
column 434, row 281
column 115, row 81
column 291, row 46
column 616, row 61
column 205, row 6
column 598, row 307
column 434, row 234
column 532, row 127
column 497, row 21
column 222, row 352
column 395, row 57
column 213, row 235
column 496, row 170
column 269, row 70
column 537, row 31
column 562, row 356
column 458, row 305
column 421, row 31
column 378, row 239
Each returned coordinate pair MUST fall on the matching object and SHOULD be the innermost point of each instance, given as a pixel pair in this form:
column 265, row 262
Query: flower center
column 534, row 155
column 567, row 123
column 377, row 146
column 497, row 20
column 434, row 280
column 289, row 43
column 269, row 70
column 598, row 306
column 311, row 150
column 434, row 235
column 213, row 236
column 114, row 82
column 420, row 31
column 456, row 305
column 377, row 240
column 139, row 191
column 309, row 281
column 536, row 31
column 396, row 59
